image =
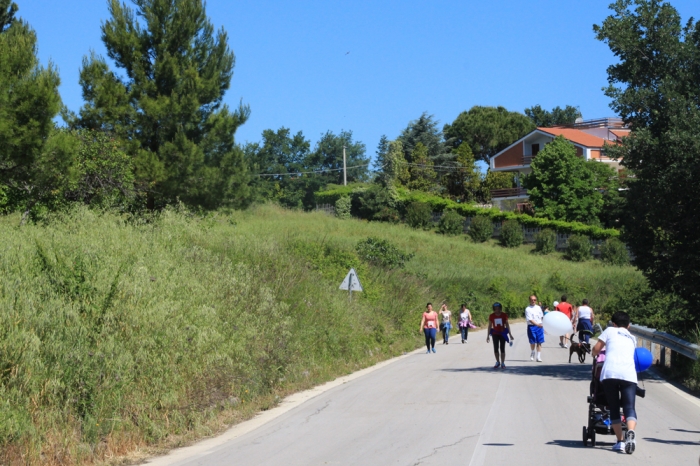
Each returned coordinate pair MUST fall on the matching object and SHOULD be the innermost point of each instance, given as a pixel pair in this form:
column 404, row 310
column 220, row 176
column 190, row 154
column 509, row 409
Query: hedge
column 440, row 204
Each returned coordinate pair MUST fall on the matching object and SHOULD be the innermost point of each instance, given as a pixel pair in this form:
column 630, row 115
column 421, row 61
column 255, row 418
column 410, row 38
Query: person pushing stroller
column 619, row 378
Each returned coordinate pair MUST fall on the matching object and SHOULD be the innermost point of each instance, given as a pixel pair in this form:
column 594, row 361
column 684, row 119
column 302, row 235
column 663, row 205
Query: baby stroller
column 598, row 412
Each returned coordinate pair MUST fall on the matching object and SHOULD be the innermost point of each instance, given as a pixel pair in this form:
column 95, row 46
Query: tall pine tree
column 34, row 157
column 167, row 102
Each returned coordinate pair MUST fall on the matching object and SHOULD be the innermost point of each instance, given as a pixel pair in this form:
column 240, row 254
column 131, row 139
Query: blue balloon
column 643, row 359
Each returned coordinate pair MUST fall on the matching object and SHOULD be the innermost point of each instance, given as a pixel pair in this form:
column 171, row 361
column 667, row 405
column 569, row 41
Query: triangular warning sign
column 351, row 282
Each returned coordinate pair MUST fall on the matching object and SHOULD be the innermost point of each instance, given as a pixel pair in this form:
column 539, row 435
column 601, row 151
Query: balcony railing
column 509, row 192
column 527, row 159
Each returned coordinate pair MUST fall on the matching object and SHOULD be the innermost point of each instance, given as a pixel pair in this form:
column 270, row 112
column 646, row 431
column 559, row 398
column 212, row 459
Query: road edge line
column 290, row 402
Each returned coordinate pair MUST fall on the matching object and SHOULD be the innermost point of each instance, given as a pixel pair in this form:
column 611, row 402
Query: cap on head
column 495, row 305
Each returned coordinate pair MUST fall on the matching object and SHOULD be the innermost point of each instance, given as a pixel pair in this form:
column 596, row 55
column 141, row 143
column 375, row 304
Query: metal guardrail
column 665, row 340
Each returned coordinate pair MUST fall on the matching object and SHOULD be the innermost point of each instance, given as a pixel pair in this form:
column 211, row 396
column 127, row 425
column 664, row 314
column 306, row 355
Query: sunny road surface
column 452, row 408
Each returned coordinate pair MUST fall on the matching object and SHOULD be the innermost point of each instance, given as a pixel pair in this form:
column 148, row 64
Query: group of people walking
column 618, row 377
column 429, row 325
column 582, row 320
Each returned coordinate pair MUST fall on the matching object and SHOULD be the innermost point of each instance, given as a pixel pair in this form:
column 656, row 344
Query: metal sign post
column 351, row 283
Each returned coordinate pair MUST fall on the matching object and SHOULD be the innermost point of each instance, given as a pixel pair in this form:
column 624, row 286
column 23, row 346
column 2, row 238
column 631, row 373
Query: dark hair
column 621, row 319
column 429, row 304
column 463, row 305
column 563, row 298
column 585, row 302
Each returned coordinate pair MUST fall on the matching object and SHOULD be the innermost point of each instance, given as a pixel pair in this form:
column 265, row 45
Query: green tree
column 104, row 173
column 607, row 181
column 167, row 101
column 327, row 157
column 487, row 130
column 394, row 171
column 275, row 164
column 463, row 181
column 382, row 151
column 425, row 130
column 561, row 187
column 655, row 88
column 557, row 117
column 34, row 156
column 423, row 176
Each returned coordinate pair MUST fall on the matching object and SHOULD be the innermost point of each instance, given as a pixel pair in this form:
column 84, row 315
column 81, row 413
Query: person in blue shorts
column 535, row 332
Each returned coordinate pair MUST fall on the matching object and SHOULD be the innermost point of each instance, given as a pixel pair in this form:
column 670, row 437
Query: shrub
column 481, row 229
column 512, row 234
column 342, row 207
column 387, row 214
column 546, row 241
column 614, row 252
column 579, row 248
column 419, row 215
column 451, row 223
column 383, row 253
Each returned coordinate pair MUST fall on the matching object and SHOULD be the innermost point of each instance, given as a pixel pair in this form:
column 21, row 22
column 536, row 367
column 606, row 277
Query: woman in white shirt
column 464, row 318
column 619, row 378
column 586, row 319
column 445, row 323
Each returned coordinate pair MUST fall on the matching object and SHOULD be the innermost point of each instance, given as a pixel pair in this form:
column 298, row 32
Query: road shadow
column 671, row 442
column 687, row 431
column 498, row 444
column 566, row 372
column 577, row 444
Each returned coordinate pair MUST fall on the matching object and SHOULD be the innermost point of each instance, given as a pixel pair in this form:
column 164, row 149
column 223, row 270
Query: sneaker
column 619, row 446
column 532, row 356
column 503, row 366
column 630, row 442
column 566, row 345
column 434, row 350
column 561, row 344
column 462, row 341
column 539, row 359
column 427, row 352
column 498, row 364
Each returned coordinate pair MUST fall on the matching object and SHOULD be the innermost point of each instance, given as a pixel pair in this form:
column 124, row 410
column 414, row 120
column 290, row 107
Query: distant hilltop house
column 588, row 136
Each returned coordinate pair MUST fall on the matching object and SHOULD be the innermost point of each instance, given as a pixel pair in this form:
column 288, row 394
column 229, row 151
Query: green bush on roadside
column 546, row 241
column 579, row 248
column 342, row 207
column 614, row 252
column 382, row 253
column 480, row 229
column 419, row 215
column 451, row 223
column 511, row 234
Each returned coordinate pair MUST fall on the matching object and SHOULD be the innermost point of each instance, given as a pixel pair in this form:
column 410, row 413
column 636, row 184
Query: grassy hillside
column 118, row 335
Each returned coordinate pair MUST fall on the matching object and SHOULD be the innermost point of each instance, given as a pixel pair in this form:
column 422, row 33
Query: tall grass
column 119, row 333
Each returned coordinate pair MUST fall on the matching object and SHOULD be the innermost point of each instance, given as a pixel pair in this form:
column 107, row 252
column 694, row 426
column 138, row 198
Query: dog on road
column 581, row 349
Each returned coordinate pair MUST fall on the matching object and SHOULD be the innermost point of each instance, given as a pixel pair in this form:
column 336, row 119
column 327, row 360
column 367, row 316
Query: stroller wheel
column 593, row 438
column 585, row 436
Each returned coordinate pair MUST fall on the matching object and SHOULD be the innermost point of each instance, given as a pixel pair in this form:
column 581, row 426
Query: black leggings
column 499, row 341
column 620, row 394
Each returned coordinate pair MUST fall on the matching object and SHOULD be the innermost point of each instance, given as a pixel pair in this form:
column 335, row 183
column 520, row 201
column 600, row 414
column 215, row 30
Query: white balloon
column 557, row 324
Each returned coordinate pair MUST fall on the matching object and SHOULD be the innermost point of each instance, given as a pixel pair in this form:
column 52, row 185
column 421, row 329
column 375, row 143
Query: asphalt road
column 452, row 408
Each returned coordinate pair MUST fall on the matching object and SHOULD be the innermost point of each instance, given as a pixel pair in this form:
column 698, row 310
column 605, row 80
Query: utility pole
column 345, row 169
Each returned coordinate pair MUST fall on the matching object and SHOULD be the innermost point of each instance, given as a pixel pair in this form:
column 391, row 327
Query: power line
column 324, row 170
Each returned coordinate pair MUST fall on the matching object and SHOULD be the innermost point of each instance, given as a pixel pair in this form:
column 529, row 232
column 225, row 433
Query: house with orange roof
column 589, row 137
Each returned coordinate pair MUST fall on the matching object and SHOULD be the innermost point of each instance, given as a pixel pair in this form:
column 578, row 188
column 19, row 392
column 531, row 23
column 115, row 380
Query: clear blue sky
column 406, row 57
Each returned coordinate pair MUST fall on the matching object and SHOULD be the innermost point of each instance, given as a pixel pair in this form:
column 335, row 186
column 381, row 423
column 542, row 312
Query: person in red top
column 566, row 309
column 428, row 326
column 499, row 329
